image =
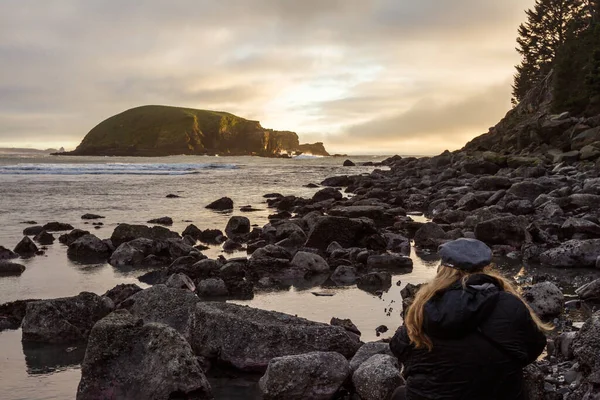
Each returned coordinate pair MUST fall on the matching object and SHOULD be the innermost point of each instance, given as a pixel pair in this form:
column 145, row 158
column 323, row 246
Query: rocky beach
column 161, row 338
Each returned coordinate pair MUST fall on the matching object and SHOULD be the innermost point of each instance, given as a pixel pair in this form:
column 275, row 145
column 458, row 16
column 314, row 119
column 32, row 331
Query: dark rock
column 193, row 231
column 44, row 238
column 377, row 378
column 272, row 251
column 586, row 348
column 88, row 248
column 545, row 299
column 8, row 268
column 311, row 185
column 12, row 314
column 6, row 254
column 349, row 163
column 122, row 292
column 580, row 226
column 408, row 294
column 224, row 203
column 381, row 329
column 57, row 227
column 249, row 209
column 165, row 305
column 273, row 196
column 172, row 196
column 314, row 375
column 33, row 230
column 375, row 281
column 347, row 232
column 237, row 226
column 326, row 194
column 212, row 236
column 573, row 253
column 127, row 359
column 310, row 262
column 376, row 213
column 64, row 320
column 180, row 281
column 26, row 247
column 91, row 216
column 248, row 338
column 503, row 230
column 590, row 291
column 212, row 287
column 126, row 233
column 492, row 183
column 162, row 221
column 347, row 324
column 69, row 238
column 392, row 262
column 367, row 351
column 430, row 235
column 337, row 181
column 344, row 275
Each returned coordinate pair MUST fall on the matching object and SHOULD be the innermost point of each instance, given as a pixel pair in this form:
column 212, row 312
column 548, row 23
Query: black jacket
column 482, row 338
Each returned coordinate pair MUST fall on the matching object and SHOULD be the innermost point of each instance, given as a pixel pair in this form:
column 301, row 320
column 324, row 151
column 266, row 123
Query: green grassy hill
column 164, row 130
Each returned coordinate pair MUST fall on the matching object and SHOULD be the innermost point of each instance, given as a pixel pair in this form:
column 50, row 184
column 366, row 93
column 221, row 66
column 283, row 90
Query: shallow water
column 133, row 190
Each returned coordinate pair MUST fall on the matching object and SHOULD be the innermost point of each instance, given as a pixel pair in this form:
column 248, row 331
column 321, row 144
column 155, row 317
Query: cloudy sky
column 363, row 76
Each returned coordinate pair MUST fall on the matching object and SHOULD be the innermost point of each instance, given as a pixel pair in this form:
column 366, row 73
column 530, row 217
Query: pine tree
column 549, row 24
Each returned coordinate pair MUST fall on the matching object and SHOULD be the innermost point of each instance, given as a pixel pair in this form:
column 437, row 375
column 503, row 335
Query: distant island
column 25, row 150
column 164, row 131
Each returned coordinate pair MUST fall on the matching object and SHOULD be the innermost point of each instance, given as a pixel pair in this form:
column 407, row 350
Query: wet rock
column 57, row 227
column 212, row 236
column 580, row 226
column 69, row 238
column 127, row 359
column 248, row 338
column 315, row 375
column 165, row 305
column 349, row 163
column 377, row 378
column 347, row 232
column 91, row 216
column 397, row 243
column 44, row 238
column 344, row 275
column 590, row 291
column 586, row 348
column 162, row 221
column 564, row 344
column 326, row 194
column 503, row 230
column 310, row 262
column 347, row 324
column 573, row 253
column 408, row 294
column 375, row 281
column 26, row 248
column 367, row 351
column 212, row 287
column 376, row 213
column 272, row 251
column 193, row 231
column 172, row 196
column 12, row 314
column 223, row 204
column 237, row 226
column 64, row 320
column 126, row 233
column 390, row 262
column 492, row 183
column 527, row 190
column 337, row 181
column 33, row 230
column 545, row 298
column 88, row 248
column 122, row 292
column 249, row 208
column 8, row 268
column 6, row 254
column 181, row 281
column 231, row 246
column 430, row 235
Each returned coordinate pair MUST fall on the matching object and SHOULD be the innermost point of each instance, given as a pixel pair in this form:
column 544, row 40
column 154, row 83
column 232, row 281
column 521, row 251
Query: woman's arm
column 400, row 344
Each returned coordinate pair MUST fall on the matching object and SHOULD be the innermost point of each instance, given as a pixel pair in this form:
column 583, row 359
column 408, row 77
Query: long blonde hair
column 445, row 278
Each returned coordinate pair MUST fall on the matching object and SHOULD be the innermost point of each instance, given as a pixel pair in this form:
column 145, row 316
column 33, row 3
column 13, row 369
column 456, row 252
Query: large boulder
column 6, row 254
column 88, row 248
column 222, row 204
column 248, row 338
column 8, row 268
column 44, row 238
column 573, row 253
column 237, row 226
column 161, row 252
column 586, row 348
column 26, row 248
column 377, row 378
column 126, row 233
column 430, row 235
column 492, row 183
column 165, row 305
column 212, row 287
column 69, row 238
column 367, row 351
column 503, row 230
column 310, row 262
column 347, row 232
column 130, row 360
column 122, row 292
column 527, row 190
column 64, row 320
column 315, row 376
column 545, row 298
column 12, row 314
column 590, row 291
column 326, row 194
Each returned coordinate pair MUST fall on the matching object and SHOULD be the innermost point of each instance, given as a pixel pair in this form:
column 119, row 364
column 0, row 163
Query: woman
column 468, row 333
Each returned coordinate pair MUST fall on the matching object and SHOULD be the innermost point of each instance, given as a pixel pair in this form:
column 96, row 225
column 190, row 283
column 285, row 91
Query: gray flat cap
column 469, row 255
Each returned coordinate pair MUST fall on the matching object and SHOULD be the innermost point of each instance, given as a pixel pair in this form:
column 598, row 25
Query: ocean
column 45, row 188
